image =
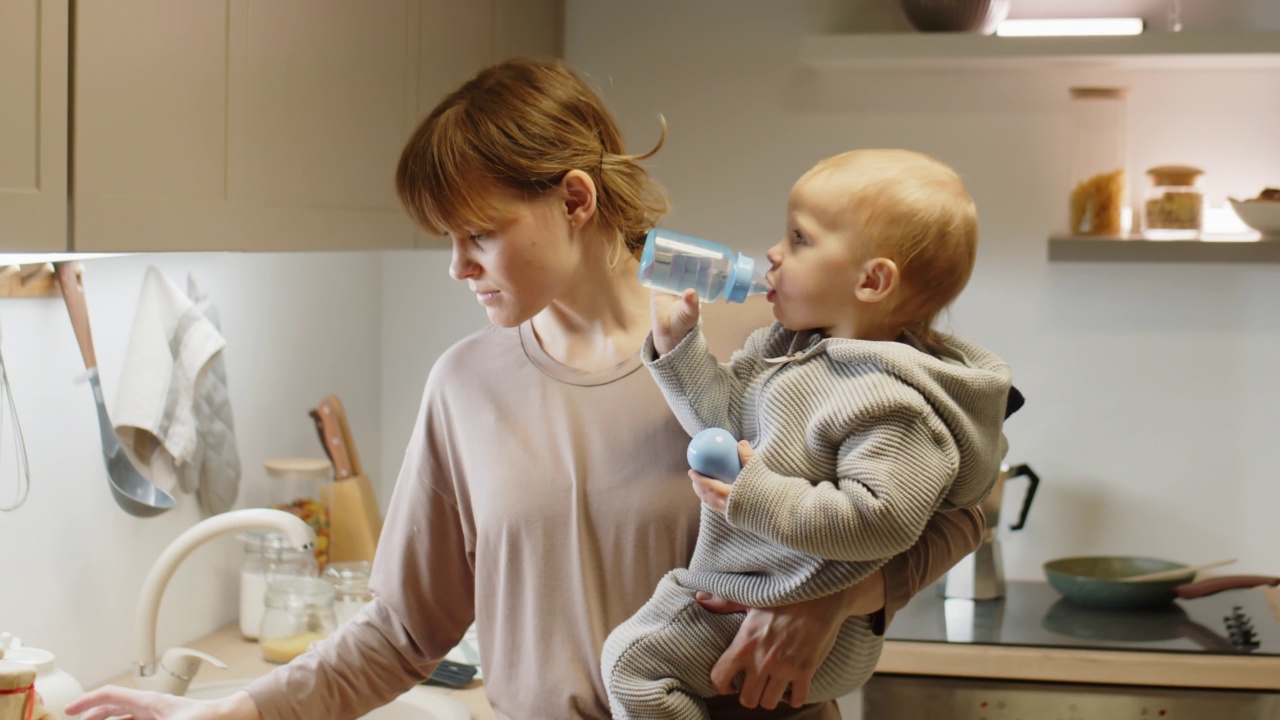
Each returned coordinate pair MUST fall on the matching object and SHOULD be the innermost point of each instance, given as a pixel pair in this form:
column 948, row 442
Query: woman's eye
column 478, row 236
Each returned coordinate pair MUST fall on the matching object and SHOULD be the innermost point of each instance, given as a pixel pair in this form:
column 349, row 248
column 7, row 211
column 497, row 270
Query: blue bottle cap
column 740, row 283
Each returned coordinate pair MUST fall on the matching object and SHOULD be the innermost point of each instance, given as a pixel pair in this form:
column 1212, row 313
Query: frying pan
column 1095, row 581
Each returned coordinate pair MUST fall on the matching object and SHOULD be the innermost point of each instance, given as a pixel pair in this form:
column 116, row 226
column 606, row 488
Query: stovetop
column 1034, row 614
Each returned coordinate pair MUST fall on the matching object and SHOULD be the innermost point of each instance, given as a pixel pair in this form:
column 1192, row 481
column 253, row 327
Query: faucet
column 179, row 664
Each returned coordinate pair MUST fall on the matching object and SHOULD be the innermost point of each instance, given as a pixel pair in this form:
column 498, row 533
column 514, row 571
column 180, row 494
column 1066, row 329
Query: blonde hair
column 915, row 211
column 523, row 124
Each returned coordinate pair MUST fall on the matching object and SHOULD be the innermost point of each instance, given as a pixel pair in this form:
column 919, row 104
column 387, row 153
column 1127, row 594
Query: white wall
column 1152, row 406
column 297, row 327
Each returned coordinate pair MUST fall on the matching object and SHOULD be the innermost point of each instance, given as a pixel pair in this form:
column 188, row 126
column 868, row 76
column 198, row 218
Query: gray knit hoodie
column 857, row 444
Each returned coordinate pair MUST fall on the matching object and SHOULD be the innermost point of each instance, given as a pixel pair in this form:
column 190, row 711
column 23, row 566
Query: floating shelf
column 964, row 51
column 1072, row 248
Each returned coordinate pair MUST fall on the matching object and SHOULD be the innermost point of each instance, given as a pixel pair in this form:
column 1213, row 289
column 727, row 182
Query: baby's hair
column 914, row 210
column 523, row 124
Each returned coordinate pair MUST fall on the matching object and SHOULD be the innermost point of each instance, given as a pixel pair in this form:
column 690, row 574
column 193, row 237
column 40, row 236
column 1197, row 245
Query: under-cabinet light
column 1069, row 27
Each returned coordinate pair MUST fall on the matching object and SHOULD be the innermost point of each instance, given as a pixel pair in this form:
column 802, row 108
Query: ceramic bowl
column 1261, row 215
column 968, row 16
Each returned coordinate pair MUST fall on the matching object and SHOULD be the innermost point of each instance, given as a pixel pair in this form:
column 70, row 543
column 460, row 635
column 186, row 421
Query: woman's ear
column 880, row 278
column 579, row 197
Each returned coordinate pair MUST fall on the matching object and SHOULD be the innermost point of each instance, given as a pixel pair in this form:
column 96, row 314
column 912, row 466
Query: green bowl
column 1095, row 581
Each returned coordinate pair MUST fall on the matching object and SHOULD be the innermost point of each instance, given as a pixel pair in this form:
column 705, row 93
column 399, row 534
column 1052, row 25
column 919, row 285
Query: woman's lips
column 486, row 298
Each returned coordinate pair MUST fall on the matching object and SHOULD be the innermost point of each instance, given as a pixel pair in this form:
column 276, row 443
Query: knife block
column 354, row 520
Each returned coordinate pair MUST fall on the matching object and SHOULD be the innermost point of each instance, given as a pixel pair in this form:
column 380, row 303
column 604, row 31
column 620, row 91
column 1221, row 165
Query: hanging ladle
column 133, row 492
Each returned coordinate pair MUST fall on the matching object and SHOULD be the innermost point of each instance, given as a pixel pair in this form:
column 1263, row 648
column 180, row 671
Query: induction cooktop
column 1033, row 614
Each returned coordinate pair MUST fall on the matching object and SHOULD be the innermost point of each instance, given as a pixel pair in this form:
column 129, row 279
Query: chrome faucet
column 179, row 664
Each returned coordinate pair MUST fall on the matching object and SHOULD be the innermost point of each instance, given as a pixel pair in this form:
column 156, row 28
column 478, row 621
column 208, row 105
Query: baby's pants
column 657, row 664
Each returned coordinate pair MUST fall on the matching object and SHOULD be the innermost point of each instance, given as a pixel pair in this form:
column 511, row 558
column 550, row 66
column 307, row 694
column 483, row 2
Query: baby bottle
column 674, row 262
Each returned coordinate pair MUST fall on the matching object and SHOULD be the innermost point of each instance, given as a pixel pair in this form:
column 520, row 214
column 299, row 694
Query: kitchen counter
column 244, row 661
column 1111, row 667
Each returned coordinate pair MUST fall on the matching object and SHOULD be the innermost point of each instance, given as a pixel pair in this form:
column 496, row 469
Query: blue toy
column 714, row 453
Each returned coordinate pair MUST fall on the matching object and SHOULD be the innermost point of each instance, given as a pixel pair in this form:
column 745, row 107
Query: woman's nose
column 461, row 267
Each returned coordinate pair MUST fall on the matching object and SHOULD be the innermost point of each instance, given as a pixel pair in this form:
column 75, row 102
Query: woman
column 544, row 491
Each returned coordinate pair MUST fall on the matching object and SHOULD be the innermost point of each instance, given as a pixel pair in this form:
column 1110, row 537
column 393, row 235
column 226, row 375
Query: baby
column 862, row 421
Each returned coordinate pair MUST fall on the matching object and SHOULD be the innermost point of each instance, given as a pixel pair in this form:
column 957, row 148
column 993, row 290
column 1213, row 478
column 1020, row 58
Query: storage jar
column 299, row 611
column 267, row 555
column 1174, row 204
column 1100, row 160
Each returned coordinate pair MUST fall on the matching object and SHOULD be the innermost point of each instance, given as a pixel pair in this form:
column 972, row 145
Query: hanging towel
column 172, row 420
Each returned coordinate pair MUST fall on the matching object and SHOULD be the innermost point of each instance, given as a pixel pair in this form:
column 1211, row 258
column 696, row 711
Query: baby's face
column 818, row 263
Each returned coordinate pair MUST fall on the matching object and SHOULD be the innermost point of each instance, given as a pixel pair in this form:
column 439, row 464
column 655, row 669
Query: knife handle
column 334, row 441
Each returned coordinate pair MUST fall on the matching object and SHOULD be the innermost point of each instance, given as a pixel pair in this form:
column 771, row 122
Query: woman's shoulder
column 477, row 354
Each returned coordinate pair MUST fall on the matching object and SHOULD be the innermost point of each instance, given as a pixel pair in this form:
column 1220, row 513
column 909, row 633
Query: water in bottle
column 675, row 262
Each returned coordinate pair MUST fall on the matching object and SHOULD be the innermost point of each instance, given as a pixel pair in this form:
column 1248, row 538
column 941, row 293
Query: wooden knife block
column 354, row 520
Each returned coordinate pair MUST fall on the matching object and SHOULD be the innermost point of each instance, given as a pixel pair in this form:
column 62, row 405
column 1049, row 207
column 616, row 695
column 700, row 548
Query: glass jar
column 267, row 555
column 297, row 485
column 350, row 582
column 298, row 611
column 1100, row 158
column 1174, row 204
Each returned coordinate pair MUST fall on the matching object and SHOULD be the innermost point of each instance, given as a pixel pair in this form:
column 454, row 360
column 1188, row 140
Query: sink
column 420, row 703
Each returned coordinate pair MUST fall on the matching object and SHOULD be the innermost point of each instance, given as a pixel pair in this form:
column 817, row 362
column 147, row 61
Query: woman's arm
column 783, row 647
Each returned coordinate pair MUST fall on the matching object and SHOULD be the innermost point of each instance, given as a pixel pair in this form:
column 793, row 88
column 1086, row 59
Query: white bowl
column 1261, row 215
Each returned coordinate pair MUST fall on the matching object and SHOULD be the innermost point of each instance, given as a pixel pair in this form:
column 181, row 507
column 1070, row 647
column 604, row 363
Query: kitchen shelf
column 964, row 51
column 1071, row 248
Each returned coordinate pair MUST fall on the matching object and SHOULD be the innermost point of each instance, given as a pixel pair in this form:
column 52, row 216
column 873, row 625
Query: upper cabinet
column 267, row 125
column 33, row 125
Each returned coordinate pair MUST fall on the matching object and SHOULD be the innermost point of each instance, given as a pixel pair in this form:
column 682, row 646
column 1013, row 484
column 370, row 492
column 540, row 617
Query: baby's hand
column 674, row 316
column 713, row 493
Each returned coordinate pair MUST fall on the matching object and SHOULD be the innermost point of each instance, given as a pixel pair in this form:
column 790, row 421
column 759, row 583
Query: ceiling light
column 1069, row 27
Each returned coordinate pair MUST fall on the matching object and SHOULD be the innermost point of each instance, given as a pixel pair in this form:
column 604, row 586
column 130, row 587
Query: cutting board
column 354, row 519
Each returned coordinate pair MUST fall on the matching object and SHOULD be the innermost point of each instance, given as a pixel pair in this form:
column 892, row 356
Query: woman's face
column 521, row 262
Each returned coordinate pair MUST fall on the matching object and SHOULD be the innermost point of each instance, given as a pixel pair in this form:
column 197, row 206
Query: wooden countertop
column 1108, row 667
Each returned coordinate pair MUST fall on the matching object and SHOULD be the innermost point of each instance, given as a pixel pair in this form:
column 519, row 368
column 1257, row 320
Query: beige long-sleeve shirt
column 544, row 503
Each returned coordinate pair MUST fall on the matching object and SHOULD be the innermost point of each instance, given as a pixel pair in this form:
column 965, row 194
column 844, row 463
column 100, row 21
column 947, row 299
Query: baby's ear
column 878, row 280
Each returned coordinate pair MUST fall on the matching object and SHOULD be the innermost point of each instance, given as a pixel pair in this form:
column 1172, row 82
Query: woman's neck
column 601, row 321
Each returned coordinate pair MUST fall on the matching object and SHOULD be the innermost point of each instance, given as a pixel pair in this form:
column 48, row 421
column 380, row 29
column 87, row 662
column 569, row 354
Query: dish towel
column 173, row 411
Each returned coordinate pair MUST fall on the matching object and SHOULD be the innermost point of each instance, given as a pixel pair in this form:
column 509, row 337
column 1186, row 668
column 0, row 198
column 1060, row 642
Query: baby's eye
column 797, row 238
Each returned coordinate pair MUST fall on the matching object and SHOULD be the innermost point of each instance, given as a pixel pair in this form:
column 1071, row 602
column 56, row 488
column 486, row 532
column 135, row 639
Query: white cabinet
column 268, row 124
column 33, row 125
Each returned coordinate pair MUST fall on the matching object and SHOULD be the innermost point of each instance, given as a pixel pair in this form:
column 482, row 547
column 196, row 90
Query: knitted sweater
column 857, row 444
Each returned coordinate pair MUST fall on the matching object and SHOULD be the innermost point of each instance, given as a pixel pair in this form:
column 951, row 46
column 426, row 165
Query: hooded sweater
column 857, row 444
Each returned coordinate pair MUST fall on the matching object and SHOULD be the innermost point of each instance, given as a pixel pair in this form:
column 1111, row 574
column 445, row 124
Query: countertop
column 1110, row 667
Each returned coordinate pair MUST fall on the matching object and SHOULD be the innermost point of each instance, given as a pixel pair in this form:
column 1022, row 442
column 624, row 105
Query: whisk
column 8, row 407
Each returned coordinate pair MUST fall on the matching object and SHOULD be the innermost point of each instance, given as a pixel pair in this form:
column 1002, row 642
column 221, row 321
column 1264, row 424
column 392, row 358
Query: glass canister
column 267, row 555
column 350, row 582
column 298, row 611
column 296, row 486
column 1173, row 208
column 1100, row 159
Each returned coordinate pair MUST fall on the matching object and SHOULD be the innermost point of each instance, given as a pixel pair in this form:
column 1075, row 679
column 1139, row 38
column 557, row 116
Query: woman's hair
column 523, row 124
column 915, row 211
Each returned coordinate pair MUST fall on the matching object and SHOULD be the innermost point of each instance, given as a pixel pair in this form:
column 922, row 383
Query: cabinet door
column 242, row 125
column 457, row 39
column 33, row 125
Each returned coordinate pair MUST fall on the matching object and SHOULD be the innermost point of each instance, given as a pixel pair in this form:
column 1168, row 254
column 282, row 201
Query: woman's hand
column 112, row 701
column 783, row 647
column 673, row 316
column 713, row 493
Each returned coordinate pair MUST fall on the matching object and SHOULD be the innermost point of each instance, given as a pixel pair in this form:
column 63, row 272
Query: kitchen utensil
column 1096, row 581
column 23, row 468
column 980, row 574
column 133, row 493
column 1175, row 573
column 354, row 520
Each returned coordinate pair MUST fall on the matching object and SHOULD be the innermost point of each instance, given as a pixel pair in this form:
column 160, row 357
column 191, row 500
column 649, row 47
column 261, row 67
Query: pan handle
column 1214, row 585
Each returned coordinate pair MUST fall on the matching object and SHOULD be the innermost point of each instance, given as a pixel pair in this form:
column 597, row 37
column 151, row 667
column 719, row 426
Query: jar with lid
column 350, row 582
column 297, row 485
column 1174, row 204
column 267, row 555
column 299, row 611
column 1099, row 192
column 56, row 687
